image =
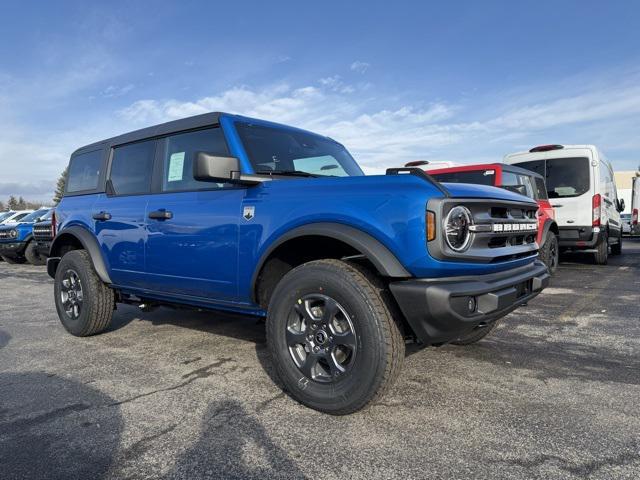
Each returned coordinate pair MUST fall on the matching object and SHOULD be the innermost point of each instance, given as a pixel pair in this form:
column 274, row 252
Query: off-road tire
column 380, row 343
column 476, row 335
column 13, row 260
column 601, row 256
column 550, row 252
column 98, row 299
column 617, row 248
column 33, row 256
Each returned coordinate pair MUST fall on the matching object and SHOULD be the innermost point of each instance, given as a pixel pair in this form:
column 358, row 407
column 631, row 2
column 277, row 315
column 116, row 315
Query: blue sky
column 394, row 81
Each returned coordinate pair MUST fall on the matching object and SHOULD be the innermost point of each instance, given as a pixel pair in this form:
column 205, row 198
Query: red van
column 518, row 180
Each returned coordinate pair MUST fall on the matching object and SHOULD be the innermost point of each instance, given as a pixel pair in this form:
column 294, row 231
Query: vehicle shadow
column 4, row 338
column 54, row 428
column 233, row 445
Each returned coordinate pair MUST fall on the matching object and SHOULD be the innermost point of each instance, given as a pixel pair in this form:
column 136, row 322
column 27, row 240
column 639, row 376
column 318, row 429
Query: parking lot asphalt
column 553, row 393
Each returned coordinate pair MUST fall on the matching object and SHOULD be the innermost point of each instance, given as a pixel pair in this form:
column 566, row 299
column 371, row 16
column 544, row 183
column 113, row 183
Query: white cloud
column 360, row 67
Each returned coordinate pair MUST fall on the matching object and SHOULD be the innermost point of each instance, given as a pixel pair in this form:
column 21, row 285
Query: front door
column 192, row 226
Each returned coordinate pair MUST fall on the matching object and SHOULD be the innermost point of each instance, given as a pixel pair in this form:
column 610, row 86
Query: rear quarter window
column 476, row 177
column 84, row 171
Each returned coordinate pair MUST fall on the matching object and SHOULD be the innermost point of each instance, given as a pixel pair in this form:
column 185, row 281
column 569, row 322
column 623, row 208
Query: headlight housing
column 13, row 233
column 456, row 228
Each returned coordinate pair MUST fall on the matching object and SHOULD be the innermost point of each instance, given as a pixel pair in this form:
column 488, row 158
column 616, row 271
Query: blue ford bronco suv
column 231, row 213
column 16, row 239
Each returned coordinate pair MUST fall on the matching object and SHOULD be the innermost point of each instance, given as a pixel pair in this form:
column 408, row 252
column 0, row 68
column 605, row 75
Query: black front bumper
column 438, row 309
column 12, row 249
column 43, row 247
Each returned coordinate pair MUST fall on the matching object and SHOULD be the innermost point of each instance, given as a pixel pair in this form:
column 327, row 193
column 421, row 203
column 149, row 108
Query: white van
column 635, row 205
column 582, row 190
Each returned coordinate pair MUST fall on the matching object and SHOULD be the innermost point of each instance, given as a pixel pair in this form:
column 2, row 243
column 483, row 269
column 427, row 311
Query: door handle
column 161, row 215
column 556, row 206
column 101, row 216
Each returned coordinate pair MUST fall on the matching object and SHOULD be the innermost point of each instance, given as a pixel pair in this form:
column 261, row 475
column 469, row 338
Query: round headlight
column 456, row 228
column 13, row 233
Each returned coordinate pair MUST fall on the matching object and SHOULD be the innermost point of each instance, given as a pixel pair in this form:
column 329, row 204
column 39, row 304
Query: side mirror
column 212, row 168
column 621, row 205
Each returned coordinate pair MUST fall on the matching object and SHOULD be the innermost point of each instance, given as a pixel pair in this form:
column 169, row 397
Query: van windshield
column 565, row 177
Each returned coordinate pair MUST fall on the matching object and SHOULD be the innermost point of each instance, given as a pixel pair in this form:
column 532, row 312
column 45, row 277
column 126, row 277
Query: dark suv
column 231, row 213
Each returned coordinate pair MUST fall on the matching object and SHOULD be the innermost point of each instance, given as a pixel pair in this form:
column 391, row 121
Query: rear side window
column 510, row 179
column 84, row 171
column 179, row 154
column 477, row 177
column 132, row 167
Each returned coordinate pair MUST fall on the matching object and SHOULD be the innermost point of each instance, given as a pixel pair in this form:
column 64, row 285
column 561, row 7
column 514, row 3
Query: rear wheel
column 84, row 303
column 332, row 337
column 13, row 260
column 33, row 256
column 550, row 252
column 476, row 335
column 602, row 251
column 617, row 248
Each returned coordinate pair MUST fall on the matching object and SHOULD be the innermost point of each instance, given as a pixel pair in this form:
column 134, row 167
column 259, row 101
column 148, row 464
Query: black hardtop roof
column 173, row 126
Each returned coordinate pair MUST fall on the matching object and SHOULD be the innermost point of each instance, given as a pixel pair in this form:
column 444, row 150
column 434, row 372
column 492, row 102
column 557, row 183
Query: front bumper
column 12, row 248
column 43, row 248
column 580, row 237
column 438, row 309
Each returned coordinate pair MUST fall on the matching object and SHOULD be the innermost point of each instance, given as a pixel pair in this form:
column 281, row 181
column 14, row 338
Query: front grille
column 4, row 234
column 42, row 232
column 502, row 230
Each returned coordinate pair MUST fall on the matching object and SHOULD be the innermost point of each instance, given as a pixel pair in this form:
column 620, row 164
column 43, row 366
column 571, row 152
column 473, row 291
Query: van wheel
column 550, row 252
column 617, row 248
column 84, row 303
column 602, row 252
column 32, row 255
column 476, row 335
column 334, row 342
column 13, row 260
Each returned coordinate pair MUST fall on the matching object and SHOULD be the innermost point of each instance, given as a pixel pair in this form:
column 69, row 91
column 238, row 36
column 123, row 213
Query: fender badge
column 249, row 212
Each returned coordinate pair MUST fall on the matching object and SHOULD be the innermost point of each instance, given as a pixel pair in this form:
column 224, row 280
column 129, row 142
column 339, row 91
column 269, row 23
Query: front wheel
column 332, row 337
column 84, row 303
column 13, row 260
column 33, row 256
column 550, row 252
column 617, row 248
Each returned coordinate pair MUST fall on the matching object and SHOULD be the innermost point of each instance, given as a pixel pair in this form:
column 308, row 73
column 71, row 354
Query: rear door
column 119, row 215
column 192, row 226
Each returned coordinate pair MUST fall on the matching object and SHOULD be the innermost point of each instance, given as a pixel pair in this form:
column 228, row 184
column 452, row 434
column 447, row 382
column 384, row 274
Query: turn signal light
column 634, row 218
column 431, row 226
column 54, row 227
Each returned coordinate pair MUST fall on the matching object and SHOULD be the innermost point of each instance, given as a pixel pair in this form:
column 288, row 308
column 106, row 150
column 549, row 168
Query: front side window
column 20, row 216
column 131, row 168
column 84, row 171
column 180, row 152
column 281, row 150
column 477, row 177
column 541, row 189
column 520, row 183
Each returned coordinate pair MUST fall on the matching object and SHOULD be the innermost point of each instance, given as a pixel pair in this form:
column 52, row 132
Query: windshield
column 5, row 215
column 477, row 177
column 565, row 177
column 280, row 150
column 33, row 216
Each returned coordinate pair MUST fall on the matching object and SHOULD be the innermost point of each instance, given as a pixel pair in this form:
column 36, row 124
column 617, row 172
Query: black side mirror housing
column 213, row 168
column 621, row 205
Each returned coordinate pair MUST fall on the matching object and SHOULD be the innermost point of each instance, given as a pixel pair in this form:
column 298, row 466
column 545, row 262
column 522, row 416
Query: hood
column 469, row 190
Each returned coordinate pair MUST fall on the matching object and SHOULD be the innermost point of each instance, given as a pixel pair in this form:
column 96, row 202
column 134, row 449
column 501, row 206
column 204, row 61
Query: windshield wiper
column 293, row 173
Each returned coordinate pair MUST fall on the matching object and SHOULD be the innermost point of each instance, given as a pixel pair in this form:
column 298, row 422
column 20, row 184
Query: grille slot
column 4, row 233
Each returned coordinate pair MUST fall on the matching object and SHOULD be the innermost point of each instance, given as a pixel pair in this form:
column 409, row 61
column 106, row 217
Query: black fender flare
column 88, row 242
column 382, row 258
column 547, row 226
